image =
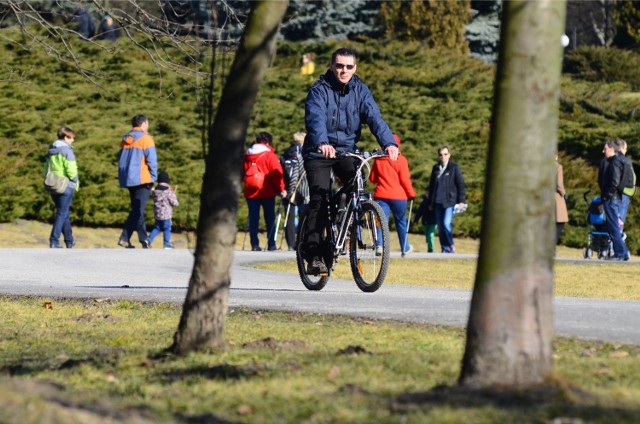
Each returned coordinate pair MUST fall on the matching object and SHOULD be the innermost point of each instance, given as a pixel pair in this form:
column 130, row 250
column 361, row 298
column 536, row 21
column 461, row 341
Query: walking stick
column 406, row 238
column 275, row 237
column 286, row 221
column 244, row 239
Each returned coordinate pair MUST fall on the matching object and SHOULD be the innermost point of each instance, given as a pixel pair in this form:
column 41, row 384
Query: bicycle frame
column 340, row 228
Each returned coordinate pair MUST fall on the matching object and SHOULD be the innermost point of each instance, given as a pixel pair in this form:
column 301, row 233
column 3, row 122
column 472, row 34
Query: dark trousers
column 139, row 196
column 293, row 220
column 268, row 208
column 319, row 179
column 62, row 221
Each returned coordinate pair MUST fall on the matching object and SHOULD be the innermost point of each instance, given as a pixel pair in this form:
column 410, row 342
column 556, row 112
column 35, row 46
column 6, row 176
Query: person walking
column 84, row 21
column 137, row 171
column 628, row 182
column 335, row 108
column 263, row 181
column 427, row 216
column 296, row 186
column 164, row 200
column 393, row 188
column 108, row 29
column 609, row 177
column 61, row 160
column 446, row 189
column 562, row 216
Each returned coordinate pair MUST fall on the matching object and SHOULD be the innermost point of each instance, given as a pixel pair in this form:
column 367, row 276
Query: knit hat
column 163, row 177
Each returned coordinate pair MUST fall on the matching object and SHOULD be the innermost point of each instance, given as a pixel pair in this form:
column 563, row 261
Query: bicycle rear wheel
column 311, row 282
column 369, row 247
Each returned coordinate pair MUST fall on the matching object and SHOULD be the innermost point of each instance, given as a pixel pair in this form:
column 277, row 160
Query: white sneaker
column 406, row 252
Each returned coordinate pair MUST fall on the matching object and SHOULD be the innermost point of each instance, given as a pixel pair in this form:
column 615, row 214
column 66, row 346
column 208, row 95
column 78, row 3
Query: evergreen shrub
column 604, row 64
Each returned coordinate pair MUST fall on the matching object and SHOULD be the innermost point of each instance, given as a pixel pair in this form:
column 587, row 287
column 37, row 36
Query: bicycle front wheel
column 311, row 282
column 369, row 247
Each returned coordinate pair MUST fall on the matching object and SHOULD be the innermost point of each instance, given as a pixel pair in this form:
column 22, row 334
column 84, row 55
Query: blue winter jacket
column 335, row 112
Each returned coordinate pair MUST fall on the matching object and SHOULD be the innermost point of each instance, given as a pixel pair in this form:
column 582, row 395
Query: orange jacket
column 392, row 179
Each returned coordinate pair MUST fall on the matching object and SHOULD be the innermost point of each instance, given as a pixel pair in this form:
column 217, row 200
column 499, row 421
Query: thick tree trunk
column 509, row 335
column 203, row 314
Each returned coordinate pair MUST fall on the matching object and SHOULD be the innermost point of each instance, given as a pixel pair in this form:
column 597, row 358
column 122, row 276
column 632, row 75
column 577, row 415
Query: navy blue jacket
column 454, row 188
column 335, row 112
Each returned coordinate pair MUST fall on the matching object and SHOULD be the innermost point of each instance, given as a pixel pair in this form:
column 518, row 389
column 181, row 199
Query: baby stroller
column 598, row 240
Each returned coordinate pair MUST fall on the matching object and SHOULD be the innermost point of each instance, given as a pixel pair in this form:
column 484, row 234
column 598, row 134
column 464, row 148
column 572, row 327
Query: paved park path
column 163, row 275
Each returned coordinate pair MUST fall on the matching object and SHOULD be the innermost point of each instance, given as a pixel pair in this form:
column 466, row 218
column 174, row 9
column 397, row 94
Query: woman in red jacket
column 393, row 188
column 263, row 181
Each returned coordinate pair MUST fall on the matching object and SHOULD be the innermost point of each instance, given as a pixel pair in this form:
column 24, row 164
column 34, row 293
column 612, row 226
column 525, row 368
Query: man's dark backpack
column 628, row 178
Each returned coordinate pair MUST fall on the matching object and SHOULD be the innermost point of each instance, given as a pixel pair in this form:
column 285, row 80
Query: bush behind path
column 429, row 98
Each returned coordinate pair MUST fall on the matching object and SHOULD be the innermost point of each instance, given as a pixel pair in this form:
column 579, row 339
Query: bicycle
column 356, row 226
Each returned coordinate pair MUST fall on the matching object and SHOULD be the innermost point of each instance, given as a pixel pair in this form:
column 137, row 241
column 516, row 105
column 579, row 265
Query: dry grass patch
column 595, row 279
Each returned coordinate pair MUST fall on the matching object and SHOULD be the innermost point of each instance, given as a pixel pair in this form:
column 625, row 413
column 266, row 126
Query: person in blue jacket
column 85, row 25
column 336, row 107
column 137, row 171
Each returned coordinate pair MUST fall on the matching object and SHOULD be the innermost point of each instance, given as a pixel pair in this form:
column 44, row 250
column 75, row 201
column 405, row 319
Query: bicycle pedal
column 324, row 274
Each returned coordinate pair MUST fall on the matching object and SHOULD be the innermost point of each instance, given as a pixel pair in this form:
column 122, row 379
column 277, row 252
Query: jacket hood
column 133, row 135
column 58, row 146
column 259, row 148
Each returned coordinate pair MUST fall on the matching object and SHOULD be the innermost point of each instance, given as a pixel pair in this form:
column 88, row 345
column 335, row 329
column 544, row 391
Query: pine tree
column 483, row 31
column 627, row 19
column 438, row 24
column 318, row 20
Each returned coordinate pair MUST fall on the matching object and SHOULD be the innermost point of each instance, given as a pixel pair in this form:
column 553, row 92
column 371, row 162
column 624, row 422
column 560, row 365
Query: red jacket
column 392, row 179
column 267, row 161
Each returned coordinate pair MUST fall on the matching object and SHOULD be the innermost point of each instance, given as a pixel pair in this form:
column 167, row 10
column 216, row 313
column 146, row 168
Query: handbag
column 55, row 183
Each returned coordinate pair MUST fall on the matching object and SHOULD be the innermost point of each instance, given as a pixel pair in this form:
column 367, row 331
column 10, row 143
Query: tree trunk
column 510, row 329
column 203, row 314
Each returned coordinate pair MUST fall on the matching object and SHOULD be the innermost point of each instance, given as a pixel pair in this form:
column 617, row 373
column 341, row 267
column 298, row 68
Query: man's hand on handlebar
column 392, row 151
column 327, row 150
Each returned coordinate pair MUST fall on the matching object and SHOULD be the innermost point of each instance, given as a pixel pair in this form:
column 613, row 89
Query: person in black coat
column 611, row 194
column 108, row 29
column 446, row 189
column 85, row 25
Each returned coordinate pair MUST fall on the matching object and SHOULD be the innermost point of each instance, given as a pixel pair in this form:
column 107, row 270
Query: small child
column 428, row 218
column 164, row 199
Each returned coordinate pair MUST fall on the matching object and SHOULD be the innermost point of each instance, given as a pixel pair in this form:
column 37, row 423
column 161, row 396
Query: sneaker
column 145, row 244
column 316, row 267
column 168, row 246
column 256, row 249
column 55, row 246
column 379, row 250
column 70, row 245
column 429, row 250
column 406, row 252
column 125, row 244
column 272, row 248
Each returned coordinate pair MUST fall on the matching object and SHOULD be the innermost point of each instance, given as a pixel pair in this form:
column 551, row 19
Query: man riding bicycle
column 336, row 106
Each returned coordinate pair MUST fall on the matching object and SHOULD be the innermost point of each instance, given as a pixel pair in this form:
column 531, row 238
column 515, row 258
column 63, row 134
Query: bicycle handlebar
column 363, row 155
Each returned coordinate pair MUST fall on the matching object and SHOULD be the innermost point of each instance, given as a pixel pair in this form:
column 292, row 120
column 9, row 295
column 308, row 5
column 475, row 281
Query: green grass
column 101, row 357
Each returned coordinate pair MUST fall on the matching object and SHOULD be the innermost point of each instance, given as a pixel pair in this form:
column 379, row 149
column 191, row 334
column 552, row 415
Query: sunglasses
column 342, row 65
